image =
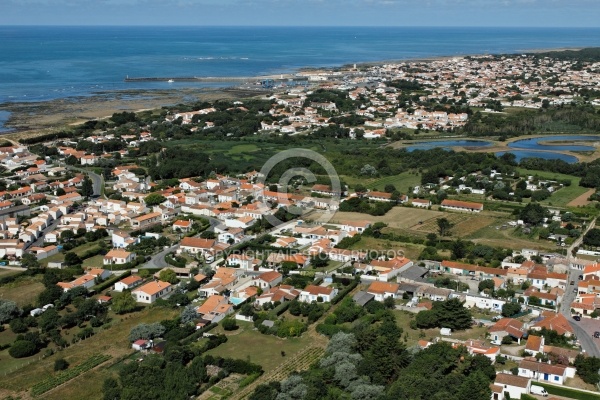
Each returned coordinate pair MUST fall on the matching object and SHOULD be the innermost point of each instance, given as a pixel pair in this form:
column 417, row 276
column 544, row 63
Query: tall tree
column 87, row 187
column 444, row 226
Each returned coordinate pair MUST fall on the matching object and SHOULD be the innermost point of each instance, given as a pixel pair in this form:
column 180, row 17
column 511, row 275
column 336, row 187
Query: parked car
column 580, row 277
column 576, row 317
column 572, row 282
column 597, row 335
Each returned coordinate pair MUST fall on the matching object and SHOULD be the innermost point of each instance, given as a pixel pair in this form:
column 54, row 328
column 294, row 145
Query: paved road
column 97, row 180
column 158, row 260
column 586, row 327
column 40, row 241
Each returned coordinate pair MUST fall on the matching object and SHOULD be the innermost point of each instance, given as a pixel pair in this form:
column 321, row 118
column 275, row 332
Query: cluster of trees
column 444, row 314
column 367, row 360
column 361, row 205
column 575, row 118
column 587, row 368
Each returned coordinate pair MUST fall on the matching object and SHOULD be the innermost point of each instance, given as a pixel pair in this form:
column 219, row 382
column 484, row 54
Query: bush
column 60, row 364
column 22, row 348
column 229, row 324
column 507, row 340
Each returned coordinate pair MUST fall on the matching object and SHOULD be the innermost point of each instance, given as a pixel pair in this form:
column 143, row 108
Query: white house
column 382, row 290
column 314, row 293
column 514, row 385
column 267, row 280
column 151, row 291
column 118, row 256
column 553, row 373
column 128, row 283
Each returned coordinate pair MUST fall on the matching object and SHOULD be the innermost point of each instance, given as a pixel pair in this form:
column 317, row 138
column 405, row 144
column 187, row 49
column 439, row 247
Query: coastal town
column 98, row 233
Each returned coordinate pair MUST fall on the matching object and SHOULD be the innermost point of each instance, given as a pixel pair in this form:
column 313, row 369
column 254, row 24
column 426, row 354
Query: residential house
column 215, row 309
column 128, row 283
column 317, row 293
column 280, row 294
column 456, row 205
column 540, row 371
column 553, row 321
column 510, row 386
column 118, row 256
column 152, row 291
column 267, row 280
column 147, row 220
column 506, row 327
column 382, row 290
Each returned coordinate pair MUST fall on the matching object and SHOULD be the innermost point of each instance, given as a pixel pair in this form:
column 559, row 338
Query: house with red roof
column 152, row 291
column 383, row 290
column 280, row 294
column 215, row 308
column 554, row 321
column 128, row 283
column 267, row 280
column 540, row 371
column 506, row 327
column 464, row 206
column 315, row 293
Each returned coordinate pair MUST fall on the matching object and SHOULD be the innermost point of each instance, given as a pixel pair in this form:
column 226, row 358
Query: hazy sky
column 559, row 13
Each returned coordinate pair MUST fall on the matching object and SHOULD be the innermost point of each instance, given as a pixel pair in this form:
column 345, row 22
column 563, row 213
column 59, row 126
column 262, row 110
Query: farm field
column 582, row 200
column 23, row 291
column 245, row 343
column 506, row 238
column 409, row 250
column 103, row 342
column 409, row 220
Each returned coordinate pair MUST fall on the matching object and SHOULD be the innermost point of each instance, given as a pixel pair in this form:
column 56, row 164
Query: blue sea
column 43, row 63
column 49, row 62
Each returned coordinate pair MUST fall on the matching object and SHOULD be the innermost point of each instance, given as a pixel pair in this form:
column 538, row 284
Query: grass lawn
column 84, row 248
column 251, row 345
column 23, row 291
column 58, row 257
column 403, row 319
column 94, row 262
column 567, row 392
column 243, row 148
column 8, row 272
column 111, row 341
column 507, row 238
column 565, row 195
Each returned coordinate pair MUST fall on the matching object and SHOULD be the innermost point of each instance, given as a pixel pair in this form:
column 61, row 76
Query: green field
column 569, row 393
column 562, row 196
column 22, row 291
column 251, row 345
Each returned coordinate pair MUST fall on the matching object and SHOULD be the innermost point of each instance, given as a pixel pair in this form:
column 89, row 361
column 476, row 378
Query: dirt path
column 582, row 200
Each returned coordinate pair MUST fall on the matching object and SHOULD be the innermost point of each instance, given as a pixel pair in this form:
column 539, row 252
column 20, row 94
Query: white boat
column 170, row 81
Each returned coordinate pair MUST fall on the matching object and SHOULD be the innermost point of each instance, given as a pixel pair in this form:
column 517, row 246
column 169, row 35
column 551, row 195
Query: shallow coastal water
column 43, row 63
column 545, row 143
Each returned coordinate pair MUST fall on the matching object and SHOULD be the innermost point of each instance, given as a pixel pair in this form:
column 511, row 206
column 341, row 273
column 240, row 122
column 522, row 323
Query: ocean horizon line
column 566, row 27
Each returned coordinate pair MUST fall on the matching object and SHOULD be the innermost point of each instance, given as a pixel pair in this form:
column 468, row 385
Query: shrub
column 229, row 324
column 60, row 364
column 22, row 348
